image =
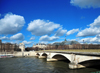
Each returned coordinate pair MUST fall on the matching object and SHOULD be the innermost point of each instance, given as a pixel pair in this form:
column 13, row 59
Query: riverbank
column 75, row 50
column 19, row 54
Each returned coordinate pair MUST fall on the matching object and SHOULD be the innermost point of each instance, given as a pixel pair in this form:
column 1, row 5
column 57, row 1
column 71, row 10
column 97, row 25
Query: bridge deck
column 77, row 53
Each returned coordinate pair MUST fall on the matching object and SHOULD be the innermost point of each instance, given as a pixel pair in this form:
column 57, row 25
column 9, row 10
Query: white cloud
column 71, row 39
column 11, row 24
column 4, row 41
column 86, row 3
column 18, row 36
column 27, row 43
column 96, row 22
column 15, row 42
column 4, row 38
column 60, row 32
column 32, row 38
column 82, row 17
column 72, row 31
column 28, row 36
column 93, row 30
column 85, row 40
column 45, row 42
column 91, row 39
column 89, row 32
column 47, row 38
column 98, row 36
column 40, row 27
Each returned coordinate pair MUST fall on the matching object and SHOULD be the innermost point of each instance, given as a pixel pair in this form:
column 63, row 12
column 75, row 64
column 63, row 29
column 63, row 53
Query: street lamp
column 83, row 44
column 83, row 41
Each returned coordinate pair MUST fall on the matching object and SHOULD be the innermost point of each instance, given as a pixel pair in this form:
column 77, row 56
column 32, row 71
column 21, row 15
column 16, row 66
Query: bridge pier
column 41, row 57
column 75, row 66
column 37, row 55
column 52, row 59
column 74, row 63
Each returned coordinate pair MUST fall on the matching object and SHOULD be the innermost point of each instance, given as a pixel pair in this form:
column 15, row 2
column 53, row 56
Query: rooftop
column 65, row 42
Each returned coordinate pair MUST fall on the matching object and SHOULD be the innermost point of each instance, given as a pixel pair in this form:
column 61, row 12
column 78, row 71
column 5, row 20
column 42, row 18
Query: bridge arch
column 90, row 63
column 38, row 54
column 44, row 54
column 60, row 57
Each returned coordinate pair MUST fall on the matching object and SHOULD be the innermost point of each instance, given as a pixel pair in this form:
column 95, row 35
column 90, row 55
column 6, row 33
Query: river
column 35, row 65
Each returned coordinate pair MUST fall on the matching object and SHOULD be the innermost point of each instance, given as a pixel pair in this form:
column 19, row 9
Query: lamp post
column 83, row 41
column 83, row 44
column 1, row 47
column 4, row 49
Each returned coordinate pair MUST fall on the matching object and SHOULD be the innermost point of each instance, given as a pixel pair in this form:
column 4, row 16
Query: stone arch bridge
column 75, row 60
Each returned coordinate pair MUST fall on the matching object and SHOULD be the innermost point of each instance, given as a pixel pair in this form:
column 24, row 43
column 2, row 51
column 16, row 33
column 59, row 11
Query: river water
column 35, row 65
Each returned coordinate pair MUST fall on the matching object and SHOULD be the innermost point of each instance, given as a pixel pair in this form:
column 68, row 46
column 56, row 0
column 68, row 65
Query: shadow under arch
column 38, row 54
column 44, row 54
column 61, row 58
column 95, row 63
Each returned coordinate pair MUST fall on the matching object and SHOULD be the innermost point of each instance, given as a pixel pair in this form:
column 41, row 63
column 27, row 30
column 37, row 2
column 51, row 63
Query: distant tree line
column 74, row 46
column 8, row 47
column 64, row 47
column 33, row 48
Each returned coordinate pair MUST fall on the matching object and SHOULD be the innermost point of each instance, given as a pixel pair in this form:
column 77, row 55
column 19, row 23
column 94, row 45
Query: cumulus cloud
column 72, row 31
column 40, row 27
column 18, row 36
column 85, row 40
column 86, row 3
column 90, row 40
column 93, row 30
column 4, row 38
column 11, row 24
column 27, row 43
column 15, row 42
column 32, row 38
column 89, row 32
column 47, row 38
column 60, row 32
column 71, row 39
column 98, row 36
column 96, row 22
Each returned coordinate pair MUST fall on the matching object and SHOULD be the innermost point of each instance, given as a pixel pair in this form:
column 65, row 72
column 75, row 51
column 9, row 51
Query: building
column 40, row 45
column 65, row 42
column 72, row 45
column 62, row 45
column 22, row 47
column 8, row 47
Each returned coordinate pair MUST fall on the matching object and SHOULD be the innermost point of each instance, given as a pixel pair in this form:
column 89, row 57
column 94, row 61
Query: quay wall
column 25, row 53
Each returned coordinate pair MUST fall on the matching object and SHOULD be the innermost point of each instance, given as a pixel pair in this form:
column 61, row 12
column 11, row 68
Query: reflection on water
column 35, row 65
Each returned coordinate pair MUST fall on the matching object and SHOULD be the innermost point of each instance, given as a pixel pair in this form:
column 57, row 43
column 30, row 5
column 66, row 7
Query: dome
column 69, row 42
column 66, row 43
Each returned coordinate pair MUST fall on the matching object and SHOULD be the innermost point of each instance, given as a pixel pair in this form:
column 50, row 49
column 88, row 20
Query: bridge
column 75, row 59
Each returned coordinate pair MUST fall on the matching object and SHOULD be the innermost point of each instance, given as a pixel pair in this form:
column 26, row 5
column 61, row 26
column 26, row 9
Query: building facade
column 40, row 45
column 22, row 46
column 71, row 45
column 8, row 47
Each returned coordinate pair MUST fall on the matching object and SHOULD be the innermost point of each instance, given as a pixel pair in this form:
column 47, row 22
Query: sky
column 49, row 21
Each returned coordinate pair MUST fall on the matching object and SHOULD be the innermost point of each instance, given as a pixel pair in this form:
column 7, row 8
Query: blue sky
column 48, row 21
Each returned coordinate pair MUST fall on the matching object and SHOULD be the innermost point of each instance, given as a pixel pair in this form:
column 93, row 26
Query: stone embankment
column 20, row 54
